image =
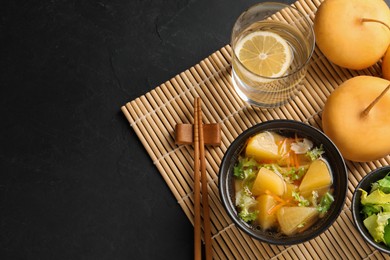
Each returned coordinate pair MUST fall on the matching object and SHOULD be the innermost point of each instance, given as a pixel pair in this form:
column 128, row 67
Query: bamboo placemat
column 154, row 115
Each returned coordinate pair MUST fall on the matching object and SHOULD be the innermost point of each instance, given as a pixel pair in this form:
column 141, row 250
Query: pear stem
column 367, row 110
column 375, row 21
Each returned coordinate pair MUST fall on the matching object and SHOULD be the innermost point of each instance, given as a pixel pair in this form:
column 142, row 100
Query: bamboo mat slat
column 154, row 115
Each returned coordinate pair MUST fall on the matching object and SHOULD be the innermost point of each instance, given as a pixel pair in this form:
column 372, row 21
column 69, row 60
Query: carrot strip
column 282, row 146
column 296, row 160
column 291, row 157
column 278, row 206
column 275, row 208
column 276, row 197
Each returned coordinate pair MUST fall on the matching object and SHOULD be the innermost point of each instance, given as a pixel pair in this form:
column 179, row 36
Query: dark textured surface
column 75, row 181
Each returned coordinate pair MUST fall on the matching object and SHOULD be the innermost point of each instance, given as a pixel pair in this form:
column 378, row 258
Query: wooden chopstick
column 199, row 158
column 197, row 227
column 205, row 197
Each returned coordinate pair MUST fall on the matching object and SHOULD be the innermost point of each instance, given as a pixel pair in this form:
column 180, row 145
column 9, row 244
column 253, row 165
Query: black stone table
column 75, row 181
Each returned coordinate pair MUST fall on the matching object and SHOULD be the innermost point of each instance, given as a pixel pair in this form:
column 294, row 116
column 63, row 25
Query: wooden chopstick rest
column 184, row 134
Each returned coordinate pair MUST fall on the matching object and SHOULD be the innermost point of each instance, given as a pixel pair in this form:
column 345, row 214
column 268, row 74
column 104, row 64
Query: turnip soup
column 282, row 184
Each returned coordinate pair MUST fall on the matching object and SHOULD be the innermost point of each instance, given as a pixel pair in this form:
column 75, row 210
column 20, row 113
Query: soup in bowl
column 283, row 182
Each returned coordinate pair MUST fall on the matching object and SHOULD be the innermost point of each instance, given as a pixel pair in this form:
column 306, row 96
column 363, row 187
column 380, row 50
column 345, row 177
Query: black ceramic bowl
column 287, row 128
column 365, row 184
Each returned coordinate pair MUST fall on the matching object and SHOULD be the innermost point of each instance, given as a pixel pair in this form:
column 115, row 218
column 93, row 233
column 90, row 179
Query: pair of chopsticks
column 200, row 173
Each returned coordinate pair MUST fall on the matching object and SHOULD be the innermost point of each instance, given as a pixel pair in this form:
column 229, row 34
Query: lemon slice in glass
column 264, row 53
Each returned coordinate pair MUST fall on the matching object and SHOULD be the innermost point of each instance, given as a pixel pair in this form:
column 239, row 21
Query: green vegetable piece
column 384, row 184
column 325, row 203
column 386, row 235
column 238, row 172
column 315, row 153
column 371, row 224
column 385, row 207
column 298, row 174
column 249, row 162
column 375, row 197
column 245, row 204
column 302, row 202
column 246, row 168
column 248, row 216
column 369, row 210
column 376, row 224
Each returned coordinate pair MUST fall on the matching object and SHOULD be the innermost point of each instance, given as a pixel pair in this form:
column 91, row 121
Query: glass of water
column 272, row 44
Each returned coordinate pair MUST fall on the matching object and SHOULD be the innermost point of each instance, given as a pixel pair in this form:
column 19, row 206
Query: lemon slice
column 264, row 53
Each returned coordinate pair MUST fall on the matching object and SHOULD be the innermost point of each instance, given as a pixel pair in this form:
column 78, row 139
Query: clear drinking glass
column 295, row 29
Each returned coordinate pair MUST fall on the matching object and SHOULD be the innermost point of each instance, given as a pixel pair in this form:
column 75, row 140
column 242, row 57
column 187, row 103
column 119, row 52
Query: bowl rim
column 279, row 124
column 365, row 182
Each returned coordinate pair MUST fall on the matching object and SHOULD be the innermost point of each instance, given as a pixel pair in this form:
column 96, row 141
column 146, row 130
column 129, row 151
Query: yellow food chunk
column 268, row 180
column 296, row 219
column 317, row 177
column 263, row 147
column 265, row 203
column 290, row 188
